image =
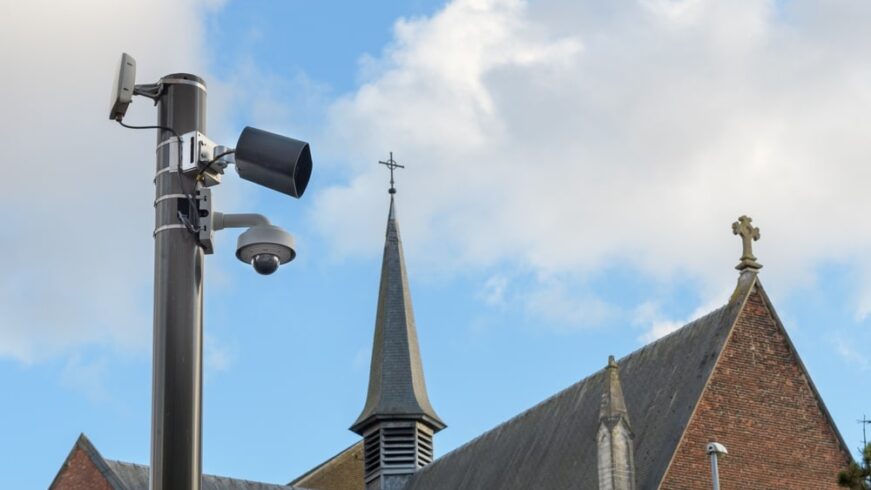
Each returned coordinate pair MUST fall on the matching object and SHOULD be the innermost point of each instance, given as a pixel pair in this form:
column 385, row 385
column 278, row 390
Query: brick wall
column 80, row 473
column 758, row 404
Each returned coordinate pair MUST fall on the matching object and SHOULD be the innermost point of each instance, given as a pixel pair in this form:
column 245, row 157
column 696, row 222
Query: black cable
column 191, row 203
column 213, row 160
column 165, row 128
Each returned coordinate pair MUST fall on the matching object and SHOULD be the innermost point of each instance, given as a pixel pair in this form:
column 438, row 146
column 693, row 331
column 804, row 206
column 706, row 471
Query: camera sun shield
column 274, row 161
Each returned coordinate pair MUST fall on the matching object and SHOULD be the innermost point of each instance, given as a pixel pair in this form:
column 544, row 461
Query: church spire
column 615, row 448
column 397, row 422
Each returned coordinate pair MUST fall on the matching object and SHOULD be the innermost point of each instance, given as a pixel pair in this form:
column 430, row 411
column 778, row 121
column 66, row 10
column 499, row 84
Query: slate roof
column 130, row 476
column 552, row 445
column 397, row 389
column 343, row 471
column 135, row 477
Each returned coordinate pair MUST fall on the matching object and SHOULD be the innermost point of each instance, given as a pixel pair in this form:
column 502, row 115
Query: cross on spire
column 391, row 164
column 748, row 234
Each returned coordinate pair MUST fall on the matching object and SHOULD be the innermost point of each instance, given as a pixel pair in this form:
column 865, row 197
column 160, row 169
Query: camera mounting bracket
column 205, row 220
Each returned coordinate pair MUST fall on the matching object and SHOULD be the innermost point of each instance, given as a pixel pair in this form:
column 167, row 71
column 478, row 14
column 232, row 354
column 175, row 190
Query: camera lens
column 265, row 263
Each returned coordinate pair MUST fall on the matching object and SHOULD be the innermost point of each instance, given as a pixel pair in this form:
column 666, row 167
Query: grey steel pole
column 177, row 372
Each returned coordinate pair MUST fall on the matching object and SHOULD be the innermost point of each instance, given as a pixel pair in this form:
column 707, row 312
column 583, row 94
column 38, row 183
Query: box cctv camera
column 122, row 91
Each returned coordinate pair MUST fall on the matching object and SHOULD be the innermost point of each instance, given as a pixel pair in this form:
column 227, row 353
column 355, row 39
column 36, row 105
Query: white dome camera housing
column 716, row 448
column 265, row 247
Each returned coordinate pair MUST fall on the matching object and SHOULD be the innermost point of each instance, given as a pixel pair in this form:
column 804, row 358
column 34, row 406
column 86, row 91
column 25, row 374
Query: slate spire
column 397, row 422
column 614, row 441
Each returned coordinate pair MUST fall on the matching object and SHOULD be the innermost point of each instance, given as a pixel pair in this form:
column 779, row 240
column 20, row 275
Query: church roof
column 552, row 444
column 396, row 384
column 135, row 477
column 343, row 471
column 129, row 476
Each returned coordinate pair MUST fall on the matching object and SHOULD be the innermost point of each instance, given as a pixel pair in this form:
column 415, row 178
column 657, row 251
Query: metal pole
column 177, row 372
column 715, row 473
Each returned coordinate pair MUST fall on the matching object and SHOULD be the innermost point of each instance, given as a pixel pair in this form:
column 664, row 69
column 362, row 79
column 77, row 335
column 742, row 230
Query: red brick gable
column 760, row 404
column 80, row 473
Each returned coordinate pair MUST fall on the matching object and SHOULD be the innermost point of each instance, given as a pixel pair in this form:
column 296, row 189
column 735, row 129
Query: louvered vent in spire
column 397, row 449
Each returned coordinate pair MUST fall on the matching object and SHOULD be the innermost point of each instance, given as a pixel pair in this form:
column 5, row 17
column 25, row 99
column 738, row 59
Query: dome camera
column 265, row 247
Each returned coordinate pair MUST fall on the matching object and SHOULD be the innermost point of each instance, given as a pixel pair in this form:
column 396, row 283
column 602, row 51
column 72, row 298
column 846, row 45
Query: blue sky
column 573, row 169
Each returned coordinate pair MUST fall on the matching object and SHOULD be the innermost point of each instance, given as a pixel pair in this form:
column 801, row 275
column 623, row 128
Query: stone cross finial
column 392, row 165
column 748, row 234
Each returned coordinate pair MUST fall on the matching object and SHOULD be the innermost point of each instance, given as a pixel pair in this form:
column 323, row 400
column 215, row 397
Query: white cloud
column 76, row 194
column 361, row 359
column 86, row 376
column 561, row 136
column 556, row 138
column 555, row 305
column 850, row 354
column 493, row 291
column 649, row 316
column 862, row 293
column 217, row 355
column 660, row 329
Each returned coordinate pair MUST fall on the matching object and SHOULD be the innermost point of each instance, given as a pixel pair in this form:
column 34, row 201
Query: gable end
column 761, row 404
column 85, row 469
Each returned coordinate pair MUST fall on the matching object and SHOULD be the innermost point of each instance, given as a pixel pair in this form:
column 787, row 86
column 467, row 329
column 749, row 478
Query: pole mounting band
column 169, row 196
column 165, row 142
column 163, row 171
column 183, row 81
column 169, row 227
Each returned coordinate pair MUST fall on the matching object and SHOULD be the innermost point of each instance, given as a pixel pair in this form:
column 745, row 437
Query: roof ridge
column 326, row 463
column 118, row 461
column 139, row 465
column 85, row 444
column 733, row 301
column 565, row 391
column 675, row 331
